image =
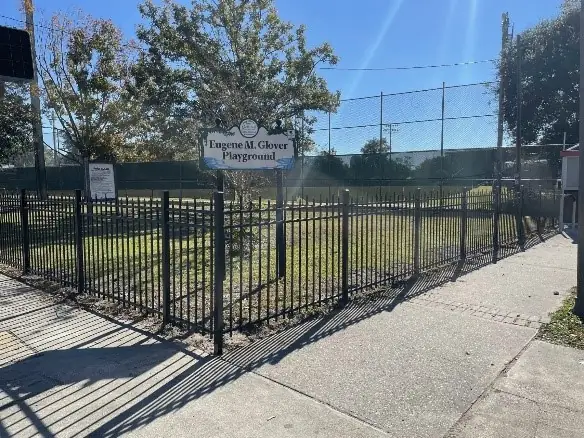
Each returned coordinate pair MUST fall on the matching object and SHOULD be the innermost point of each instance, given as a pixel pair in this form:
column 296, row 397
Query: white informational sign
column 102, row 183
column 248, row 146
column 570, row 172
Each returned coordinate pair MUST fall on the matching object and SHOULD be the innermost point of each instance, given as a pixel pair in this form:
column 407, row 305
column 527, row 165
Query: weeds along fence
column 217, row 267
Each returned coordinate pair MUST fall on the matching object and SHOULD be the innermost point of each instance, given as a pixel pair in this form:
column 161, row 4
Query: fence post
column 519, row 217
column 280, row 239
column 165, row 257
column 574, row 212
column 345, row 247
column 464, row 222
column 417, row 225
column 540, row 223
column 79, row 242
column 562, row 206
column 25, row 232
column 219, row 244
column 496, row 220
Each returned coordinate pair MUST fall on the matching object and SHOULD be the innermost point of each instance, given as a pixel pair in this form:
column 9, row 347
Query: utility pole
column 442, row 144
column 579, row 306
column 37, row 127
column 518, row 128
column 502, row 85
column 498, row 186
column 518, row 189
column 391, row 130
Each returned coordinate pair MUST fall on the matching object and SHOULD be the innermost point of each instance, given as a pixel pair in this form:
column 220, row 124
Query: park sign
column 248, row 147
column 102, row 182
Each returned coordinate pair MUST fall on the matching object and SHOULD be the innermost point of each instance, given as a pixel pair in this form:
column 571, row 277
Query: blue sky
column 375, row 34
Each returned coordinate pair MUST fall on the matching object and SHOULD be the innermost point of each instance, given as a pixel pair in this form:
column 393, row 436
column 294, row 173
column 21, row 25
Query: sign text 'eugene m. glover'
column 246, row 148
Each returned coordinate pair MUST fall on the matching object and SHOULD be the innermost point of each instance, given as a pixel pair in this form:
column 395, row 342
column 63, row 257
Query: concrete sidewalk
column 541, row 396
column 423, row 367
column 67, row 372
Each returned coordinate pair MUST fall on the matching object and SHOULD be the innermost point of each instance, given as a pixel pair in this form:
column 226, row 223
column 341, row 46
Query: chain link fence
column 448, row 117
column 444, row 136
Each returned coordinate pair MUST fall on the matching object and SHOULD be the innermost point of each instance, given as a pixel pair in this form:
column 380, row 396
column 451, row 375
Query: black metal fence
column 218, row 267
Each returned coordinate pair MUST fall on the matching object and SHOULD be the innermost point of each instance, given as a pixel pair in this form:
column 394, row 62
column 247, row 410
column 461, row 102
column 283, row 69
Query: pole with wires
column 579, row 305
column 442, row 145
column 37, row 129
column 518, row 143
column 498, row 186
column 518, row 138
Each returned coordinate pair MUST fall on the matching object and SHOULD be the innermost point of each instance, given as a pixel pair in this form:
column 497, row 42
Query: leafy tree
column 471, row 164
column 15, row 125
column 84, row 67
column 327, row 167
column 232, row 59
column 549, row 77
column 238, row 59
column 375, row 163
column 374, row 146
column 167, row 126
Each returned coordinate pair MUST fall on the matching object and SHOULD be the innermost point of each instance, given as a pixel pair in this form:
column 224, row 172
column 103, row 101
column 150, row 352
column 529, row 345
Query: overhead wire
column 62, row 29
column 411, row 67
column 332, row 68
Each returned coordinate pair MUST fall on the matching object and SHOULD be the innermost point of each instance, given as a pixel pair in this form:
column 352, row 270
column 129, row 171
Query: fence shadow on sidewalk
column 150, row 378
column 201, row 379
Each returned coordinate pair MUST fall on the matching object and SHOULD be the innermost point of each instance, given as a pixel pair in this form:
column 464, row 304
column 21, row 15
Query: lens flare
column 374, row 47
column 470, row 36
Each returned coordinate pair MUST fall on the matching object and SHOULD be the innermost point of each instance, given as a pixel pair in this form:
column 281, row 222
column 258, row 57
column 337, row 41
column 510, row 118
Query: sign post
column 249, row 146
column 280, row 232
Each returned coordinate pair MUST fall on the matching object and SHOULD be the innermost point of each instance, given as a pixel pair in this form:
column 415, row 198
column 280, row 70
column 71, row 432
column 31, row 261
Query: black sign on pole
column 15, row 55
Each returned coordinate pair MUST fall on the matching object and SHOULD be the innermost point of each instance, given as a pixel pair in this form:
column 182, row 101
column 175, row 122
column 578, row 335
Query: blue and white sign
column 248, row 147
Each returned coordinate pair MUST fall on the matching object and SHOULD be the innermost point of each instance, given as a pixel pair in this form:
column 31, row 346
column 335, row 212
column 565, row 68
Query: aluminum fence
column 217, row 267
